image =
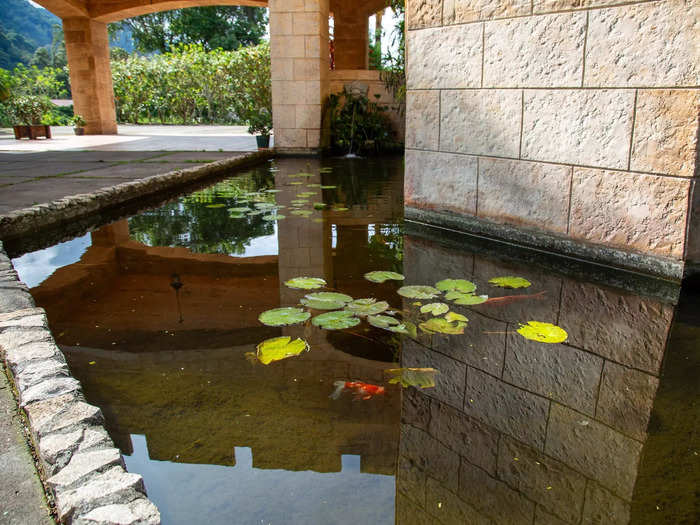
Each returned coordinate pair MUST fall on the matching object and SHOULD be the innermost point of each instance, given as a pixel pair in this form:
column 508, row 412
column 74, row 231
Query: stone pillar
column 351, row 36
column 87, row 50
column 300, row 65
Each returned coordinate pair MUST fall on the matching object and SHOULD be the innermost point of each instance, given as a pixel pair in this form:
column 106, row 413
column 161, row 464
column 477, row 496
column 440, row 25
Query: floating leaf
column 417, row 377
column 434, row 308
column 510, row 282
column 302, row 174
column 319, row 205
column 542, row 332
column 381, row 321
column 418, row 292
column 272, row 191
column 303, row 213
column 341, row 209
column 443, row 326
column 283, row 316
column 321, row 305
column 405, row 328
column 240, row 209
column 217, row 205
column 368, row 306
column 466, row 298
column 459, row 285
column 381, row 276
column 306, row 283
column 326, row 169
column 330, row 296
column 256, row 212
column 265, row 205
column 453, row 316
column 305, row 194
column 336, row 320
column 236, row 215
column 328, row 187
column 273, row 217
column 300, row 201
column 314, row 185
column 279, row 348
column 296, row 183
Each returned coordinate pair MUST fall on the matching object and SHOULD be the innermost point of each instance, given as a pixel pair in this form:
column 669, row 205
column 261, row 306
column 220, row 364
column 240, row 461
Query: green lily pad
column 240, row 209
column 510, row 282
column 543, row 332
column 453, row 316
column 416, row 377
column 265, row 205
column 303, row 213
column 317, row 304
column 296, row 183
column 326, row 169
column 459, row 285
column 302, row 174
column 418, row 292
column 283, row 316
column 300, row 201
column 341, row 209
column 405, row 328
column 368, row 306
column 314, row 185
column 435, row 309
column 218, row 205
column 236, row 215
column 279, row 348
column 442, row 326
column 256, row 212
column 273, row 217
column 319, row 205
column 328, row 187
column 330, row 296
column 381, row 321
column 305, row 283
column 466, row 298
column 336, row 320
column 273, row 191
column 382, row 276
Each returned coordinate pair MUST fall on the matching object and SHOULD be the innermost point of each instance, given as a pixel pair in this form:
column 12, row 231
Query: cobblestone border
column 29, row 220
column 77, row 460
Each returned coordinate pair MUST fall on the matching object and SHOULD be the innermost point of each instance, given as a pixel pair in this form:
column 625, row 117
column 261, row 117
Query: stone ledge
column 30, row 220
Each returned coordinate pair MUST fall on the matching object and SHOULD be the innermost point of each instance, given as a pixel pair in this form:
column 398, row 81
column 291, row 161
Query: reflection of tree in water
column 357, row 182
column 386, row 245
column 191, row 223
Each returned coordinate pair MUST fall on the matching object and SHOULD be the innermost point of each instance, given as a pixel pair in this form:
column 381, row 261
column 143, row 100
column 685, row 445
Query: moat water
column 158, row 315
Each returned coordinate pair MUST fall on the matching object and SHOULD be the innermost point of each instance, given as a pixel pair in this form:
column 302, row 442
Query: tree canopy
column 227, row 28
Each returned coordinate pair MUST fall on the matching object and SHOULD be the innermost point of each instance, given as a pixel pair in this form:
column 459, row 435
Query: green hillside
column 23, row 29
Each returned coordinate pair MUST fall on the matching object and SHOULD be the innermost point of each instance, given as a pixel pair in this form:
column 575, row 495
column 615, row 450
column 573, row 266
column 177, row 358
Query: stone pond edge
column 77, row 461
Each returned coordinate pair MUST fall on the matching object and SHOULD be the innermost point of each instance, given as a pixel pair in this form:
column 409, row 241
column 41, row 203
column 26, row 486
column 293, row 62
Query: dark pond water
column 158, row 317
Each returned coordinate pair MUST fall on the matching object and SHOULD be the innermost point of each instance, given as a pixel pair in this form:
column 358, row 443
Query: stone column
column 87, row 50
column 300, row 64
column 351, row 36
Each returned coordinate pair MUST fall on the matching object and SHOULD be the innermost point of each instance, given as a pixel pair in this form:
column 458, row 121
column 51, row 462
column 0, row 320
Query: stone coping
column 77, row 461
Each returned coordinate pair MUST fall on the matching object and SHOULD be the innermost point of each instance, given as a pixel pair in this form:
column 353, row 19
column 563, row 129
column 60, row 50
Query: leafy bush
column 28, row 109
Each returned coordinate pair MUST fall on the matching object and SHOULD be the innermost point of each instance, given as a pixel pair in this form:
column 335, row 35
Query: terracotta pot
column 32, row 132
column 79, row 131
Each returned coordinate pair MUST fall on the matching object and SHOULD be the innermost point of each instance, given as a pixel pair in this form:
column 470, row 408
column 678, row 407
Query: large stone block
column 462, row 11
column 426, row 262
column 511, row 410
column 408, row 513
column 549, row 6
column 447, row 507
column 623, row 327
column 561, row 373
column 471, row 439
column 626, row 399
column 545, row 481
column 429, row 455
column 430, row 67
column 524, row 193
column 410, row 480
column 493, row 498
column 422, row 119
column 481, row 122
column 666, row 132
column 604, row 507
column 451, row 185
column 595, row 450
column 416, row 409
column 646, row 45
column 540, row 51
column 585, row 127
column 423, row 13
column 631, row 211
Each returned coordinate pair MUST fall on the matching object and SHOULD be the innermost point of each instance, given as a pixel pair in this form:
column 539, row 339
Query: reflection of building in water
column 521, row 432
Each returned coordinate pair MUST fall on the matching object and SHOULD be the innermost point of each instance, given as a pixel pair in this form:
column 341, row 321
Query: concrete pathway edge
column 29, row 220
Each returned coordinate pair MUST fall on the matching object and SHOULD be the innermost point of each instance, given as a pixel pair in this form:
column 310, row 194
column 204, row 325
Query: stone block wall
column 517, row 431
column 576, row 122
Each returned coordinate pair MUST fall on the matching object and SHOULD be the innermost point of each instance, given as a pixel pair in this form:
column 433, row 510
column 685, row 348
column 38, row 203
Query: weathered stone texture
column 666, row 132
column 410, row 480
column 492, row 497
column 541, row 51
column 524, row 193
column 430, row 456
column 626, row 399
column 423, row 13
column 644, row 45
column 48, row 388
column 432, row 66
column 137, row 512
column 623, row 327
column 462, row 11
column 422, row 119
column 545, row 481
column 562, row 373
column 451, row 185
column 509, row 409
column 481, row 122
column 584, row 127
column 630, row 211
column 603, row 507
column 549, row 6
column 425, row 261
column 61, row 413
column 447, row 507
column 83, row 465
column 593, row 449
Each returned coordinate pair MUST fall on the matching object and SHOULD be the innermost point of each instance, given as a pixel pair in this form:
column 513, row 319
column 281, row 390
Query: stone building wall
column 558, row 123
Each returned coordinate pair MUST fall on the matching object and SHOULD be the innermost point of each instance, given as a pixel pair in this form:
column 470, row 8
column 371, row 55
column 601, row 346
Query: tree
column 227, row 28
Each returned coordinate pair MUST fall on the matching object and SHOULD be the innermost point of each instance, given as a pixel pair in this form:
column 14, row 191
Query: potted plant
column 78, row 123
column 260, row 125
column 28, row 112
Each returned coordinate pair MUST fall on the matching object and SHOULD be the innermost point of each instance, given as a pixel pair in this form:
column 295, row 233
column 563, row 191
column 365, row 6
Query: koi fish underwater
column 509, row 299
column 360, row 390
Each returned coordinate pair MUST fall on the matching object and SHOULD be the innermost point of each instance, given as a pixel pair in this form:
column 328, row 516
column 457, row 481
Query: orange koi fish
column 360, row 390
column 508, row 299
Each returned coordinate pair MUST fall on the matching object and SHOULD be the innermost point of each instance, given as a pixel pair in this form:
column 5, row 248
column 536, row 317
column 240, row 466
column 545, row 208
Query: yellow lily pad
column 279, row 348
column 543, row 332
